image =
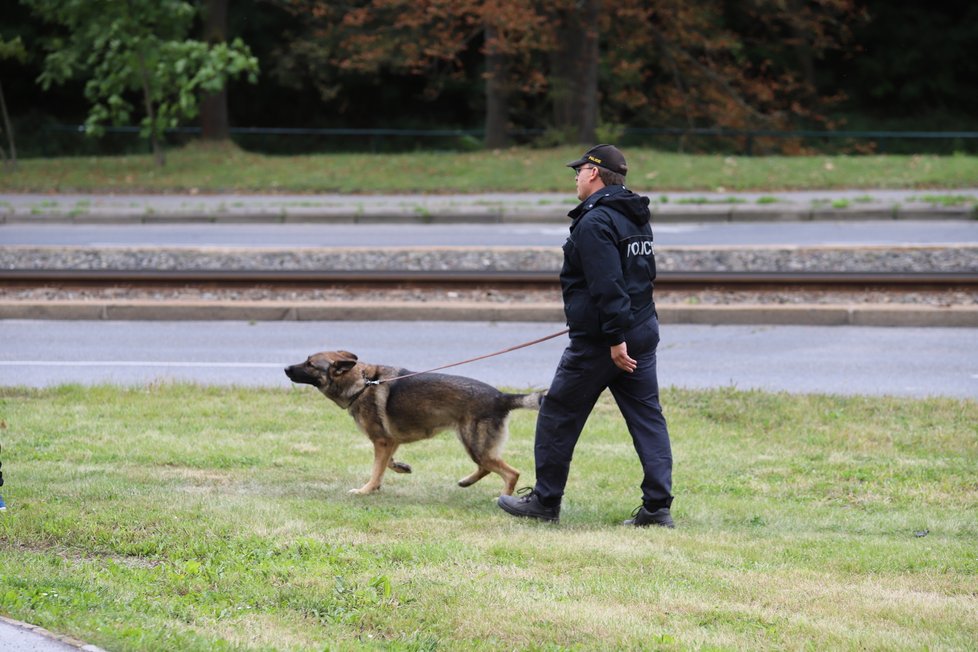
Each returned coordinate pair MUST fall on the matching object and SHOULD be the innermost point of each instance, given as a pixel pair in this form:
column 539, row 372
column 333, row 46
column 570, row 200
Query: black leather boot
column 642, row 517
column 528, row 505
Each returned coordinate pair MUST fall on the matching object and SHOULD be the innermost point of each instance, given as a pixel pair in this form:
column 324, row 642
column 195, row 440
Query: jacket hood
column 618, row 198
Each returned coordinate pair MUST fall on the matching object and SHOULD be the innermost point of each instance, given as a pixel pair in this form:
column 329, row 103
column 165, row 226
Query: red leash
column 481, row 357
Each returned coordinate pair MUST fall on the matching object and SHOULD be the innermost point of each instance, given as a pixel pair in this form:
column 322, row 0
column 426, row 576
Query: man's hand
column 619, row 355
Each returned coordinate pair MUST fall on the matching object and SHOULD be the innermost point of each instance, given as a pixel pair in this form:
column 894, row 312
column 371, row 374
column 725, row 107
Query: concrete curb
column 904, row 316
column 894, row 315
column 14, row 634
column 486, row 207
column 708, row 213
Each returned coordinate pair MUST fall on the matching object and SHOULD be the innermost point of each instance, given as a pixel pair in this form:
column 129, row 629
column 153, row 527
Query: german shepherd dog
column 403, row 410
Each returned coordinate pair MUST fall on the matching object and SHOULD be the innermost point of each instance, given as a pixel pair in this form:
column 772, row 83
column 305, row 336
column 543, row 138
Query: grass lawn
column 176, row 517
column 209, row 169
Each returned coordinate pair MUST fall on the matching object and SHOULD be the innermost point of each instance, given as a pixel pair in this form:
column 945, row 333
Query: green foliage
column 13, row 49
column 609, row 132
column 554, row 137
column 138, row 47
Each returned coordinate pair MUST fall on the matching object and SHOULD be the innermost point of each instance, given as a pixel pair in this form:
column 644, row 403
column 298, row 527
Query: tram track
column 508, row 280
column 539, row 279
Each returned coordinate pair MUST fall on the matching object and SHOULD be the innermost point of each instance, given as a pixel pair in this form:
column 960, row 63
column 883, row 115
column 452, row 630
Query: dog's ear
column 344, row 364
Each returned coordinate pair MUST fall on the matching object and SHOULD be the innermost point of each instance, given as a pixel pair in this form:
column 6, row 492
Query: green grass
column 707, row 200
column 176, row 517
column 209, row 169
column 948, row 200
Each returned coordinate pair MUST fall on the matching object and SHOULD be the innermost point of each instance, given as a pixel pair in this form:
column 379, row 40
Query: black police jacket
column 609, row 266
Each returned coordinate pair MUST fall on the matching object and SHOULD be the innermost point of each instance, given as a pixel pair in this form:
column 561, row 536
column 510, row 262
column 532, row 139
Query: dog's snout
column 299, row 373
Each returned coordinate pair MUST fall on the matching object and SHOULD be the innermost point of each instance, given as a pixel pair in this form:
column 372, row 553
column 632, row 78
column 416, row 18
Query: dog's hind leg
column 473, row 438
column 383, row 454
column 474, row 477
column 510, row 475
column 483, row 440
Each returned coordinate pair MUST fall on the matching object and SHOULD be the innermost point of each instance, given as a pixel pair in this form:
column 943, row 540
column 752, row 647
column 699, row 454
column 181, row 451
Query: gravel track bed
column 677, row 259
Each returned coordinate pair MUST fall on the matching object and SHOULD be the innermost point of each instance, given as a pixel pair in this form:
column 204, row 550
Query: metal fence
column 72, row 139
column 857, row 141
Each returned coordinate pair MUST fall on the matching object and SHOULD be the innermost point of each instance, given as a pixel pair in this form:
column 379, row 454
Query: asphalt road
column 869, row 232
column 796, row 359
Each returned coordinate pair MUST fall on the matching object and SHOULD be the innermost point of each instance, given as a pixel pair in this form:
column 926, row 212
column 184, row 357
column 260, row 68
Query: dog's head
column 331, row 372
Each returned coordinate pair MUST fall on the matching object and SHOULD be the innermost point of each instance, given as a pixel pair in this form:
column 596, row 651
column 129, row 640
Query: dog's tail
column 530, row 401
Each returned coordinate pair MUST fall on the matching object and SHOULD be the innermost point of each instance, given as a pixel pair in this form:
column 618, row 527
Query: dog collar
column 367, row 385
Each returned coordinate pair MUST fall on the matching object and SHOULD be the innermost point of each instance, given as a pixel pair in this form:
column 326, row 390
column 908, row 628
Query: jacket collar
column 593, row 201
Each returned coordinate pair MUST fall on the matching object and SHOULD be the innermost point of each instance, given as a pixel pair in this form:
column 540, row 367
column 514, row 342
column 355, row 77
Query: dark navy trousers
column 584, row 372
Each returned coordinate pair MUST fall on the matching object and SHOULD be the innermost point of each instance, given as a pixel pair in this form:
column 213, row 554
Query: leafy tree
column 429, row 39
column 138, row 46
column 709, row 63
column 721, row 64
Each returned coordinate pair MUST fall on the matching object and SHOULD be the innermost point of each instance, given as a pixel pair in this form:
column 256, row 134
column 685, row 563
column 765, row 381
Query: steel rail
column 665, row 279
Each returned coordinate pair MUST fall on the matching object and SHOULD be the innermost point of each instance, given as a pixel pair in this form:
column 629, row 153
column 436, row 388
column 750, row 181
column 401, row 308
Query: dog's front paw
column 365, row 489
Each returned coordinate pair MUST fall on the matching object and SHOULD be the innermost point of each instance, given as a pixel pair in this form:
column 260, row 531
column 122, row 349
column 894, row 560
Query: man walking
column 607, row 280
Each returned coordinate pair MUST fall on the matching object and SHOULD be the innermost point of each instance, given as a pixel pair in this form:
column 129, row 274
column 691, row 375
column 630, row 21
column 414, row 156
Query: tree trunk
column 214, row 123
column 801, row 35
column 574, row 69
column 154, row 140
column 10, row 132
column 497, row 100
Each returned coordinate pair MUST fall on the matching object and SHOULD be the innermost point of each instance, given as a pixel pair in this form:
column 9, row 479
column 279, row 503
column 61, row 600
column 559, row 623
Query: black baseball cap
column 608, row 157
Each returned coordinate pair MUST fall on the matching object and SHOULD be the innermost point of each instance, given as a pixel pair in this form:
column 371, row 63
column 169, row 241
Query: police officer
column 606, row 280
